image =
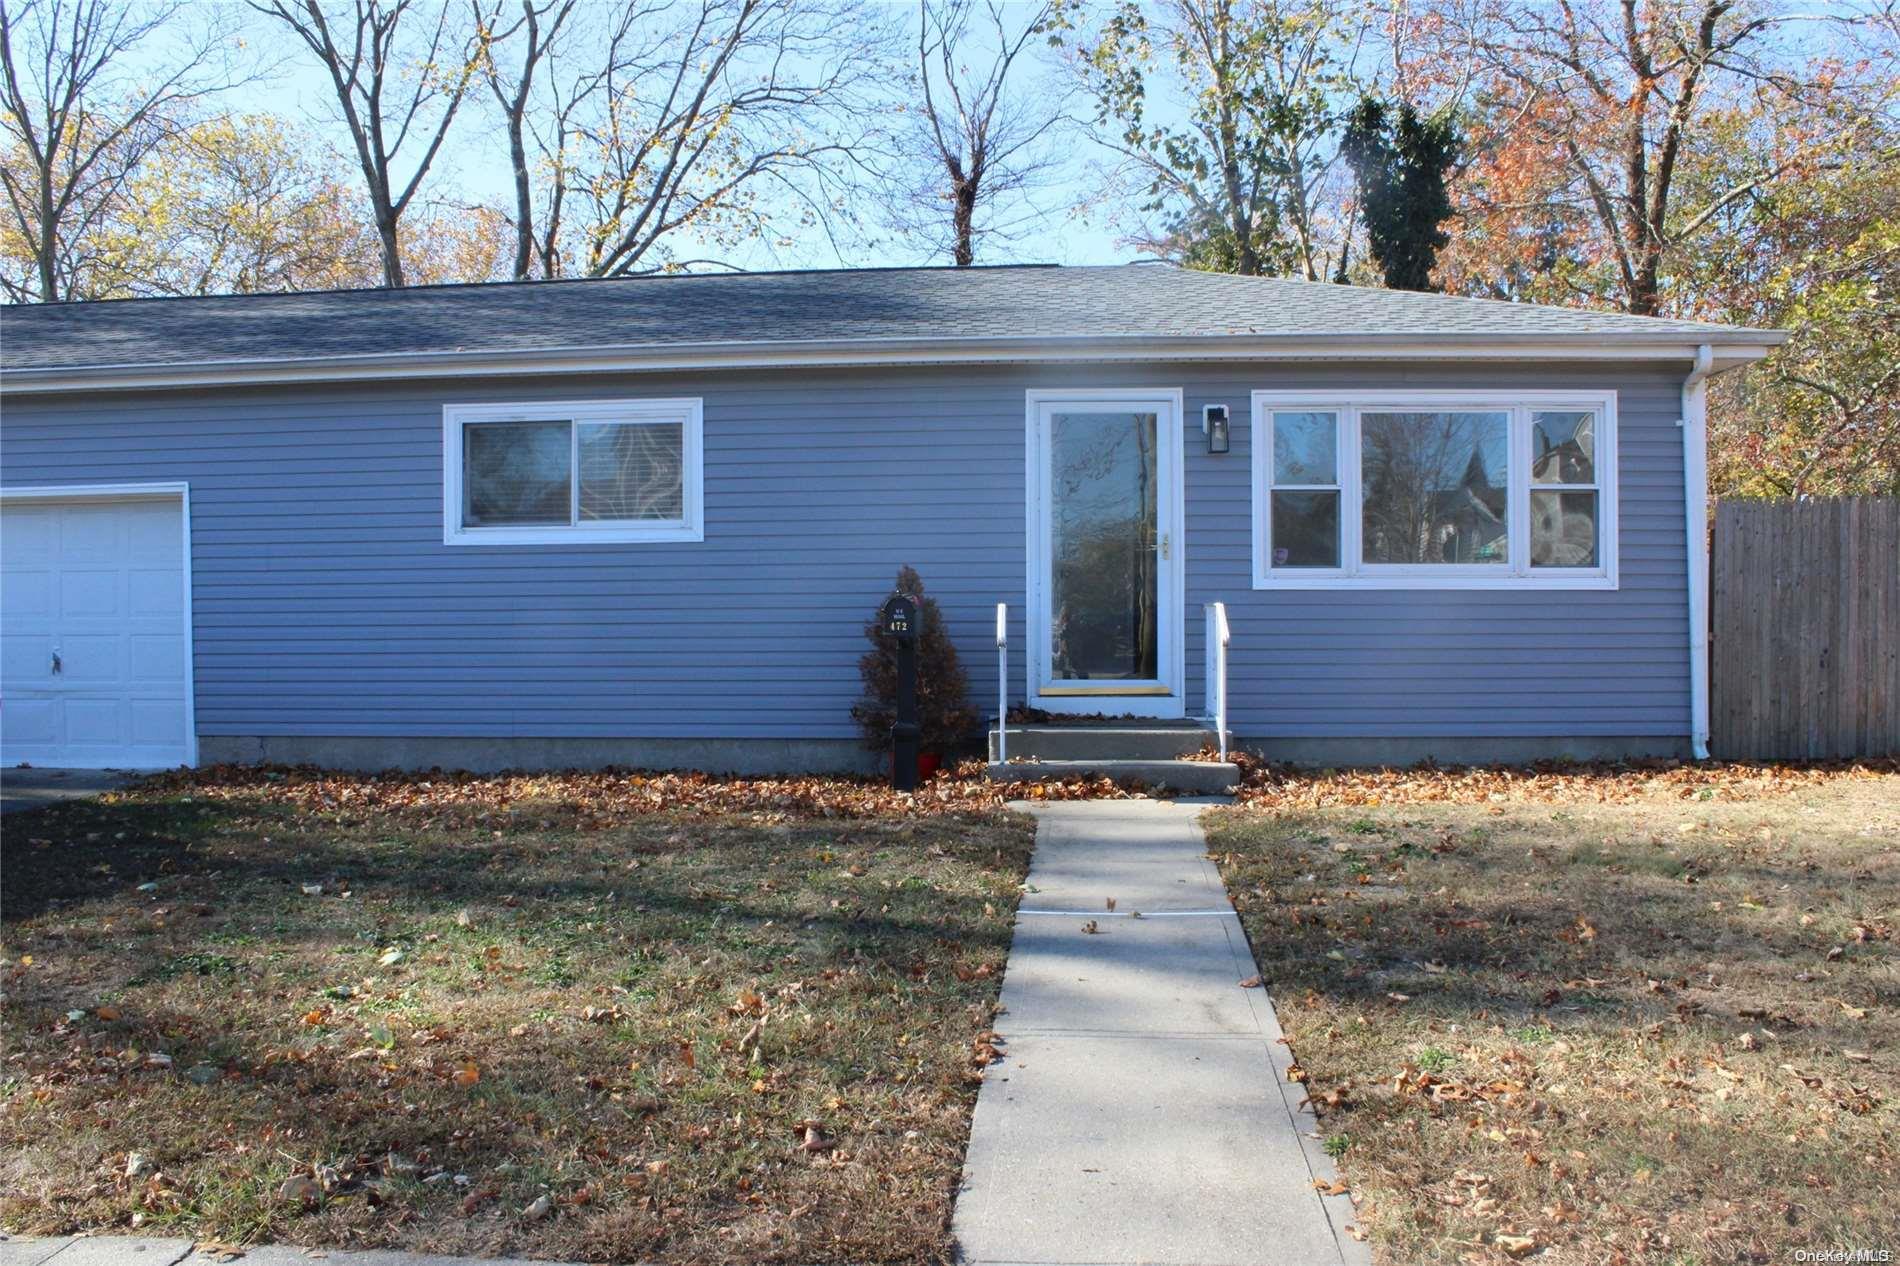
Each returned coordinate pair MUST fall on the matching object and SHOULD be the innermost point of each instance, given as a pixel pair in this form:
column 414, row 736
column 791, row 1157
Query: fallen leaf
column 302, row 1189
column 1091, row 927
column 1252, row 982
column 467, row 1075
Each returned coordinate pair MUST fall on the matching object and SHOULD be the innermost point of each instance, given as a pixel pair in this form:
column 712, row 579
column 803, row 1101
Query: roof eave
column 1731, row 347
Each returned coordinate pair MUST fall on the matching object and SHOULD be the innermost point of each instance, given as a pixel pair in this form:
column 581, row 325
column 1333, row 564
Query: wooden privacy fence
column 1804, row 652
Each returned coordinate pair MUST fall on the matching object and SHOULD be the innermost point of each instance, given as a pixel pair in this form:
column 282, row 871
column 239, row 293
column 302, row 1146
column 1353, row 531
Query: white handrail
column 1218, row 636
column 1002, row 683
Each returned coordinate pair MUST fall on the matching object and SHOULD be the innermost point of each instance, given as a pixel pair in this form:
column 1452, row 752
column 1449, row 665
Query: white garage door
column 93, row 652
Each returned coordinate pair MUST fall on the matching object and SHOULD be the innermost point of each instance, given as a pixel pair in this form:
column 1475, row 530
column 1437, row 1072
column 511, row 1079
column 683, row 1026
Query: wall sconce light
column 1214, row 426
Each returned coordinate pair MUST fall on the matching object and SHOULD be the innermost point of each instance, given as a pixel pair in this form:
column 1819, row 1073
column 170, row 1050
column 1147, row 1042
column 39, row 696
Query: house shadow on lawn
column 740, row 1036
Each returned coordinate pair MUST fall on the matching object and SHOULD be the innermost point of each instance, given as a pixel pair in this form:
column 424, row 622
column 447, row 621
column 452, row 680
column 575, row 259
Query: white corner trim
column 688, row 411
column 157, row 490
column 1517, row 575
column 1695, row 499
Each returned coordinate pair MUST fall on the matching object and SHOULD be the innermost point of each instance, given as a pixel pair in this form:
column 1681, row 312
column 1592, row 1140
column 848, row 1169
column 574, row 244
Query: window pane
column 515, row 473
column 1305, row 529
column 633, row 471
column 1563, row 529
column 1434, row 487
column 1563, row 448
column 1103, row 534
column 1303, row 448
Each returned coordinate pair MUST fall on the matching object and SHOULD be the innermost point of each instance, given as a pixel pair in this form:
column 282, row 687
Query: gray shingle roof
column 926, row 305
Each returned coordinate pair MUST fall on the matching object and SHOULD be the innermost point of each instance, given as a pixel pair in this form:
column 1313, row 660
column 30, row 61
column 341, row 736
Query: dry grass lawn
column 1590, row 1017
column 588, row 1018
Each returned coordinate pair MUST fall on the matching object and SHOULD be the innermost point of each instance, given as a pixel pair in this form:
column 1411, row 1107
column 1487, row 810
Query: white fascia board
column 1734, row 348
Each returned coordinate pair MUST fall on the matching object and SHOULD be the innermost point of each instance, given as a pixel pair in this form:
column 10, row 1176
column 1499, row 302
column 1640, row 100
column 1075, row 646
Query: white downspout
column 1695, row 499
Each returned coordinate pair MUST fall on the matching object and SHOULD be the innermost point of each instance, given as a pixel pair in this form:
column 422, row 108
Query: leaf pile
column 597, row 799
column 1271, row 786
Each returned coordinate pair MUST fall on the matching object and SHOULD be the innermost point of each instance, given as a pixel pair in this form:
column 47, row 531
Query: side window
column 599, row 471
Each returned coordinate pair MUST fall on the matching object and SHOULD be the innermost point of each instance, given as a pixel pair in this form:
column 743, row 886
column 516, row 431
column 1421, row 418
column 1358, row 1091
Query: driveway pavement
column 31, row 788
column 1142, row 1113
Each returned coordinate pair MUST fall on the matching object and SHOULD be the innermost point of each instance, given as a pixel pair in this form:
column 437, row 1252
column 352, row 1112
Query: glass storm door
column 1106, row 611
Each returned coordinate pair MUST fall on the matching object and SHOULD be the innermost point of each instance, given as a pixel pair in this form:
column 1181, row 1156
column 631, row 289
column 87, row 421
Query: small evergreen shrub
column 943, row 710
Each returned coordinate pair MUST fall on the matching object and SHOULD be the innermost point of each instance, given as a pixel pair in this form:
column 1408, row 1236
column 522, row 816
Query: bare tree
column 542, row 118
column 660, row 129
column 980, row 138
column 400, row 70
column 81, row 119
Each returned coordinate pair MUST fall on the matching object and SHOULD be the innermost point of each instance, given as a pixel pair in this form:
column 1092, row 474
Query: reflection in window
column 1103, row 533
column 1564, row 497
column 516, row 473
column 1434, row 488
column 632, row 472
column 1303, row 526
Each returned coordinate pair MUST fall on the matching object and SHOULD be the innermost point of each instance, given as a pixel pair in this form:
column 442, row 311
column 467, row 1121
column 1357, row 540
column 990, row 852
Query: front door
column 1105, row 552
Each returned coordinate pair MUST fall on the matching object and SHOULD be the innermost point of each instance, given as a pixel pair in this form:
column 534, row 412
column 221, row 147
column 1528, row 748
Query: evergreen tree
column 1401, row 163
column 943, row 710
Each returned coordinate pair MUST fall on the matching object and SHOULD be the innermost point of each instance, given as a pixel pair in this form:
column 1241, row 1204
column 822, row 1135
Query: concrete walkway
column 1142, row 1114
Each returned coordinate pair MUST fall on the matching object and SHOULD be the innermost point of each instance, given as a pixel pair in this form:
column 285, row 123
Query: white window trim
column 1517, row 573
column 687, row 411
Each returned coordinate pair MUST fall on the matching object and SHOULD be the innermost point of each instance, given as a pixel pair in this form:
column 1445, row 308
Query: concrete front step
column 1177, row 775
column 1161, row 741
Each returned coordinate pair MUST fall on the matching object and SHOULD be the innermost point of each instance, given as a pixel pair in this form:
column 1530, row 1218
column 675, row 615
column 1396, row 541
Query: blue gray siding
column 326, row 603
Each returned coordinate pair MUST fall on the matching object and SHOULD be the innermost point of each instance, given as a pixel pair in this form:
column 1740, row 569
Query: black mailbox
column 899, row 620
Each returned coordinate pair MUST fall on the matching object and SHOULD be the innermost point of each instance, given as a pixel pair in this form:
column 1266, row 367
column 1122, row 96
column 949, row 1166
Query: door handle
column 1164, row 547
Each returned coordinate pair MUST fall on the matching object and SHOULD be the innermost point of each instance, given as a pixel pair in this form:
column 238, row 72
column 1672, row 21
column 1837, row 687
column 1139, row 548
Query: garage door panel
column 155, row 593
column 26, row 594
column 32, row 533
column 90, row 660
column 156, row 723
column 152, row 536
column 95, row 722
column 102, row 585
column 86, row 534
column 90, row 593
column 156, row 661
column 29, row 722
column 26, row 659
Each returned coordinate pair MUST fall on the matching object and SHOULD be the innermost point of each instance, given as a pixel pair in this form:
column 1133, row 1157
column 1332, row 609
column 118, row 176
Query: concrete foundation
column 1399, row 752
column 492, row 755
column 848, row 756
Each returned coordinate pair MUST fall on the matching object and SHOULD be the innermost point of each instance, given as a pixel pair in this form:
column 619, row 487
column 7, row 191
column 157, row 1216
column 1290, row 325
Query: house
column 642, row 521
